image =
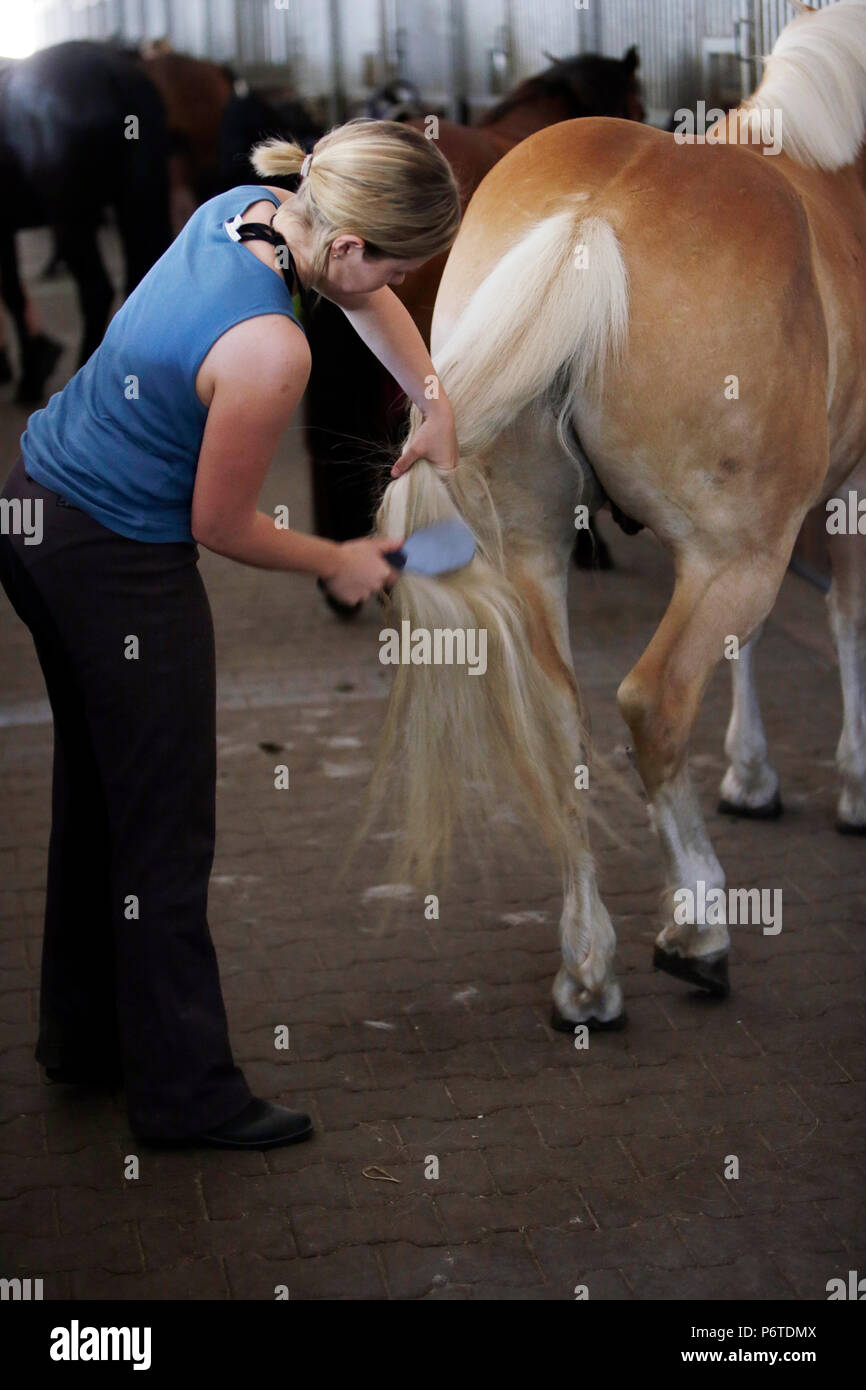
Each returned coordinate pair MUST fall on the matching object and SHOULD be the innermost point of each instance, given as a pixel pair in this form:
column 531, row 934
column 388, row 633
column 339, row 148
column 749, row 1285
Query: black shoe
column 261, row 1125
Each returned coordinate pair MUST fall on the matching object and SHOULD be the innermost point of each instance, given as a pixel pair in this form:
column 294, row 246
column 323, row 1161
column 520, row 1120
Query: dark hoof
column 771, row 811
column 846, row 828
column 346, row 611
column 707, row 972
column 595, row 1025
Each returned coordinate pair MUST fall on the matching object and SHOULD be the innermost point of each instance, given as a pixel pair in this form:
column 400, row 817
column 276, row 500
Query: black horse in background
column 82, row 130
column 248, row 118
column 70, row 155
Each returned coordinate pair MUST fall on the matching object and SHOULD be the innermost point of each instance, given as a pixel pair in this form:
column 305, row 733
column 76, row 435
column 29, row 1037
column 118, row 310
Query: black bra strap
column 262, row 231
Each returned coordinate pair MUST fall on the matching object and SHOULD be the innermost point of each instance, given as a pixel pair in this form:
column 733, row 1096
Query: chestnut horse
column 677, row 325
column 195, row 94
column 350, row 430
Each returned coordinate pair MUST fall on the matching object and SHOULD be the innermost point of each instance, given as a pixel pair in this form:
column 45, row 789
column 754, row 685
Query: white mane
column 816, row 77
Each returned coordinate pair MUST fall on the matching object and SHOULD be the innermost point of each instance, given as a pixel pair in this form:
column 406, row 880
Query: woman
column 161, row 441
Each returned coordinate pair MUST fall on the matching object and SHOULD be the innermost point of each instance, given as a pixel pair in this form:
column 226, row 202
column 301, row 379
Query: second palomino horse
column 680, row 326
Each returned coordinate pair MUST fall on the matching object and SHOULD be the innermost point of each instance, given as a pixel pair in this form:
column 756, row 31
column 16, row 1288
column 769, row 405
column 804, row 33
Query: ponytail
column 277, row 158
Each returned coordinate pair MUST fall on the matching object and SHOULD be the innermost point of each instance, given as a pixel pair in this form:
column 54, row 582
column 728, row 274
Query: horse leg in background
column 77, row 242
column 39, row 353
column 660, row 699
column 144, row 225
column 349, row 429
column 750, row 787
column 13, row 297
column 846, row 603
column 141, row 196
column 346, row 434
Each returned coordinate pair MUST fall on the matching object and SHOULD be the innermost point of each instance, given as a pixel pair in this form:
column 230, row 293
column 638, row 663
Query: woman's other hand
column 362, row 569
column 434, row 440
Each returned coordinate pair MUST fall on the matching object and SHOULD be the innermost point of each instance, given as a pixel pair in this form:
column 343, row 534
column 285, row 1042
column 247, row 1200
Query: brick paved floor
column 412, row 1038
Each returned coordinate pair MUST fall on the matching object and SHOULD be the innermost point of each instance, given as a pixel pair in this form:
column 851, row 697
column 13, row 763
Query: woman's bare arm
column 255, row 376
column 386, row 326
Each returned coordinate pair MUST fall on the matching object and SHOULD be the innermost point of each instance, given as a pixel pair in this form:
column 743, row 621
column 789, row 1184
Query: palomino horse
column 351, row 430
column 680, row 327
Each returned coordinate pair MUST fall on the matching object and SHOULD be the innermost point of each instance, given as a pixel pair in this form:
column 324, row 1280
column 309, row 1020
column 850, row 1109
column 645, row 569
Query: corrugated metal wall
column 669, row 34
column 771, row 16
column 479, row 46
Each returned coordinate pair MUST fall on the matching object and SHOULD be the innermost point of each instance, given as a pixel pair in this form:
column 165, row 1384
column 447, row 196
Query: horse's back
column 195, row 93
column 647, row 186
column 65, row 110
column 80, row 83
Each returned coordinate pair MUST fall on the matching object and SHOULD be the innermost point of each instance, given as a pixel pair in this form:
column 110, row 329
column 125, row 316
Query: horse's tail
column 545, row 318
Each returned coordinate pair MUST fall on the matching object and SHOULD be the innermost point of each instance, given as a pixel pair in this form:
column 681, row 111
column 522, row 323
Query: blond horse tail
column 546, row 318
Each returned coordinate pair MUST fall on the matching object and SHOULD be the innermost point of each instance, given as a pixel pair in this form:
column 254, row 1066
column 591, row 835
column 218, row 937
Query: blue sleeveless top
column 121, row 440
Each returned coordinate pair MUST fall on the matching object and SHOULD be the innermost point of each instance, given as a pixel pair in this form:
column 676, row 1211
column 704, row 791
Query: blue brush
column 437, row 549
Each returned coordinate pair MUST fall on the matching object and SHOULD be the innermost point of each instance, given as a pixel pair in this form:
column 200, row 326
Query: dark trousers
column 124, row 636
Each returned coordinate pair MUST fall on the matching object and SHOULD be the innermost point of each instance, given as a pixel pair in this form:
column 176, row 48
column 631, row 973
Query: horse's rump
column 724, row 298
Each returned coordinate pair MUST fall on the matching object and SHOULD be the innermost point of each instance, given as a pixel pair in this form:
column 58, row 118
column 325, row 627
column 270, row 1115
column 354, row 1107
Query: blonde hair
column 382, row 181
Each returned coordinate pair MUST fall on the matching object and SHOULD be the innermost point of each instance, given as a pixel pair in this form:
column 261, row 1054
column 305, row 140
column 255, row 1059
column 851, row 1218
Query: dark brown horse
column 356, row 423
column 195, row 94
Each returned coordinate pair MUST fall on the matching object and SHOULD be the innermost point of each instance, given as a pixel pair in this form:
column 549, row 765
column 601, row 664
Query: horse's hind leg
column 142, row 211
column 11, row 289
column 751, row 785
column 847, row 608
column 585, row 989
column 536, row 489
column 538, row 540
column 660, row 699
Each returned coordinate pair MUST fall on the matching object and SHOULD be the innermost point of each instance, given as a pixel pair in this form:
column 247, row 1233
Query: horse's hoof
column 845, row 827
column 595, row 1025
column 771, row 810
column 707, row 972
